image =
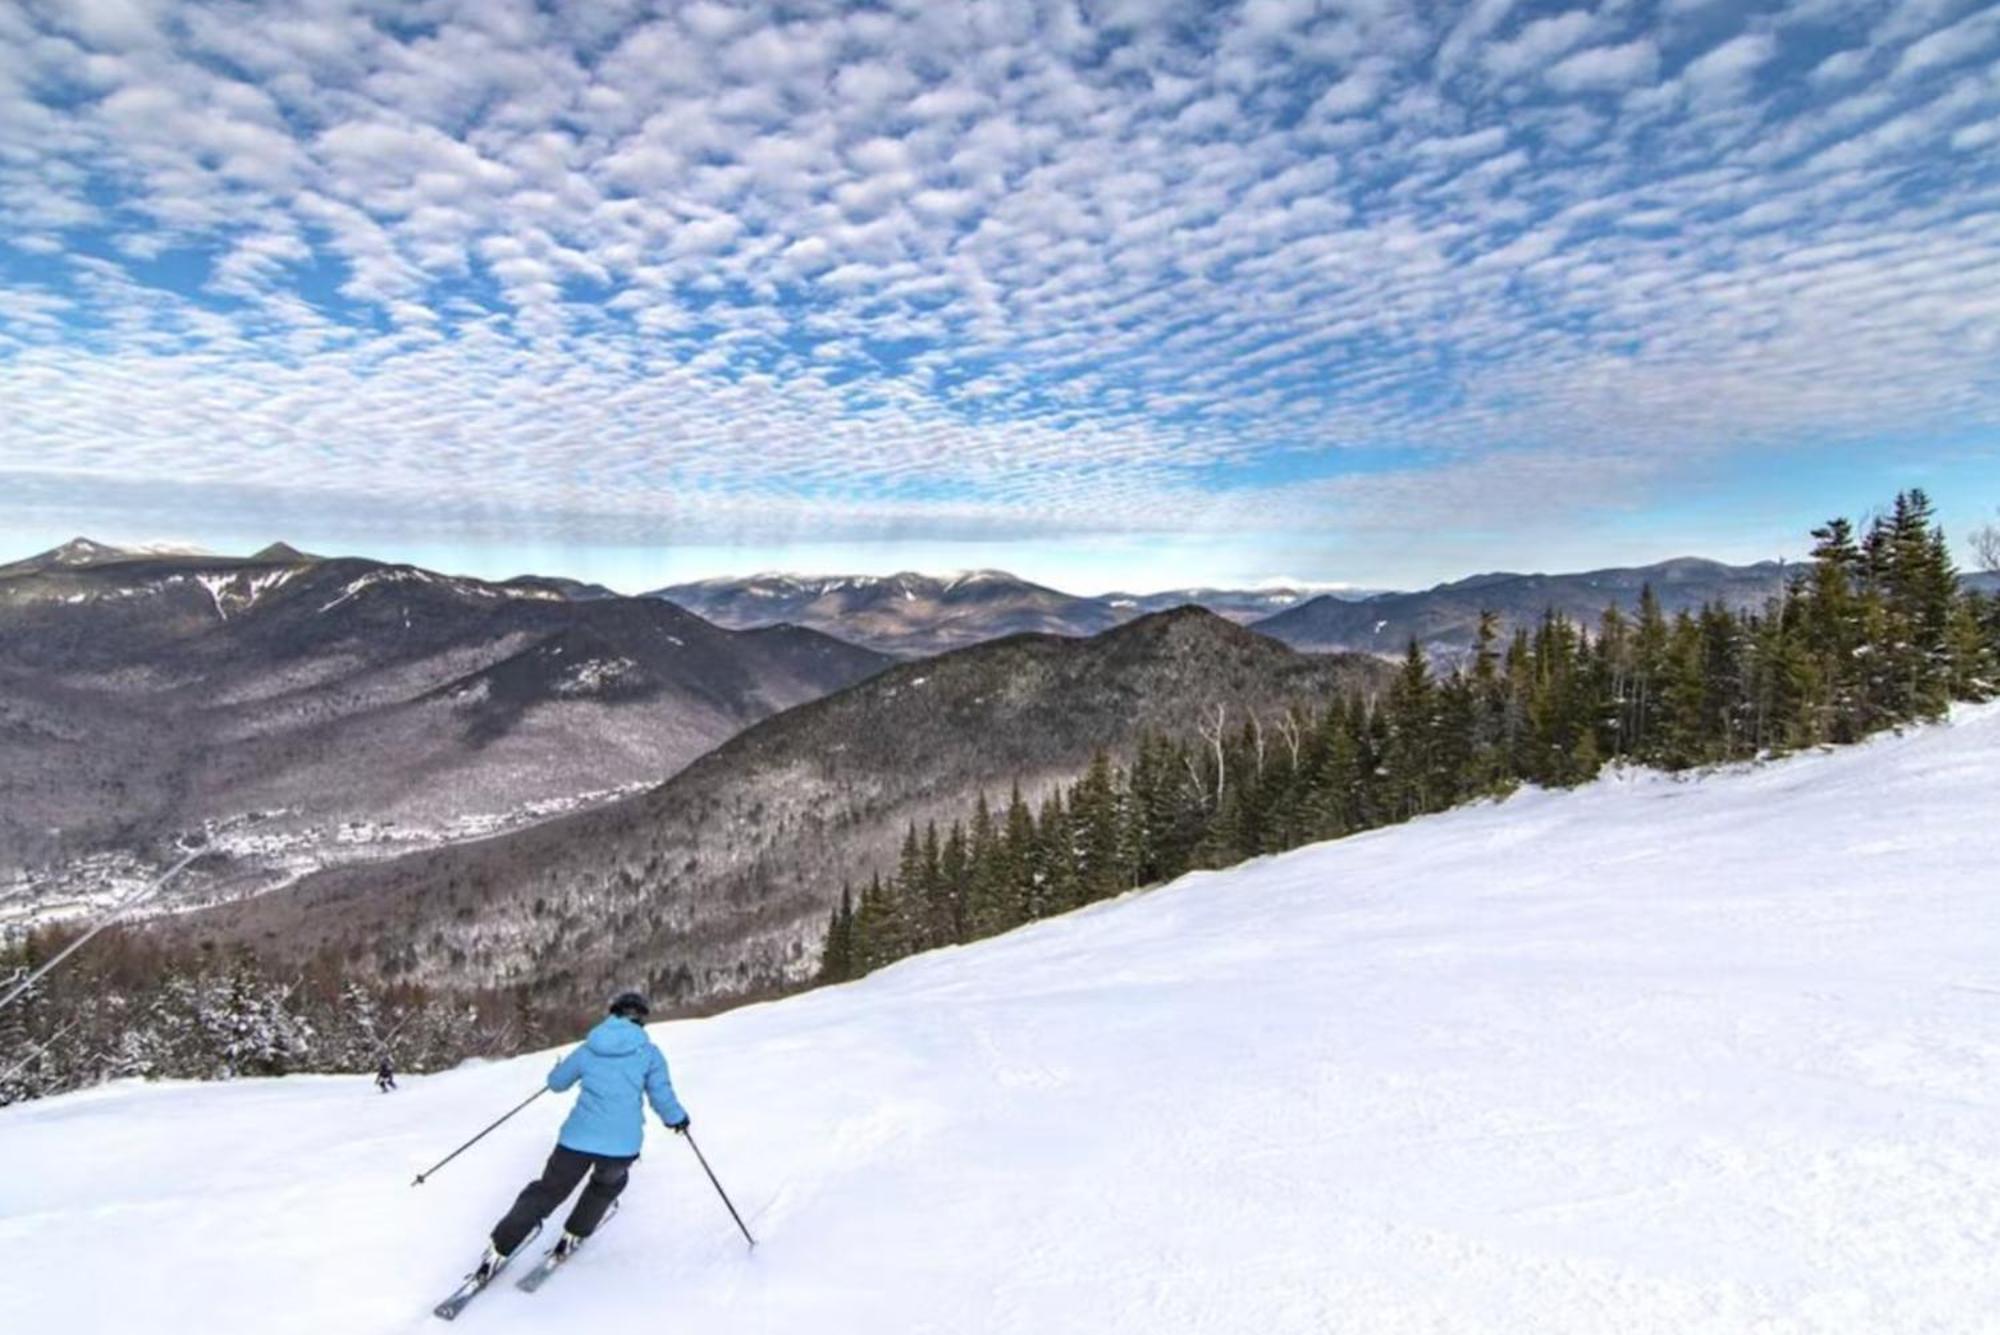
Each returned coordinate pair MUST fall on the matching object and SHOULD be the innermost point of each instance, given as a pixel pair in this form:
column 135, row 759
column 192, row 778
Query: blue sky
column 1372, row 292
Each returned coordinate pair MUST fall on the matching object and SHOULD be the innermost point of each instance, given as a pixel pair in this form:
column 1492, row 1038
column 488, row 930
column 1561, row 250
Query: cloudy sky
column 1124, row 293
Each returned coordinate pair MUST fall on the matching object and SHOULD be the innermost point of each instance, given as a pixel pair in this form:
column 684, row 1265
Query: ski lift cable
column 36, row 1055
column 132, row 902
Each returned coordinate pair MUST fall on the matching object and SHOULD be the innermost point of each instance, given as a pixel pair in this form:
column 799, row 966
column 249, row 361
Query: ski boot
column 490, row 1264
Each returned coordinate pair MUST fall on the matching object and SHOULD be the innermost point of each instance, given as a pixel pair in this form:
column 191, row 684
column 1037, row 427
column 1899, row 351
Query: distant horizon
column 174, row 547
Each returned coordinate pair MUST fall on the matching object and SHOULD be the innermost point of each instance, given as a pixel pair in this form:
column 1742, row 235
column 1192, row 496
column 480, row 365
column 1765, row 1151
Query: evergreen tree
column 1053, row 881
column 1138, row 835
column 1096, row 812
column 986, row 884
column 909, row 892
column 1017, row 863
column 1835, row 630
column 1678, row 739
column 1789, row 689
column 1406, row 759
column 1647, row 676
column 1488, row 757
column 1454, row 723
column 1975, row 657
column 954, row 872
column 878, row 927
column 837, row 963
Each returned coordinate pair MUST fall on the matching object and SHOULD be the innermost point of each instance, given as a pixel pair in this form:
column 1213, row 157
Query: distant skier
column 602, row 1135
column 385, row 1075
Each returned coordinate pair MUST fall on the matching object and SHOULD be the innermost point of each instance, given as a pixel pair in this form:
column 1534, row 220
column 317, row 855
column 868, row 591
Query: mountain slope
column 309, row 710
column 718, row 882
column 1633, row 1058
column 1446, row 618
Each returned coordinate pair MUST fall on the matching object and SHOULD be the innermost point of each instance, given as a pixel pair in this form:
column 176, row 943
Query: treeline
column 128, row 1004
column 1875, row 632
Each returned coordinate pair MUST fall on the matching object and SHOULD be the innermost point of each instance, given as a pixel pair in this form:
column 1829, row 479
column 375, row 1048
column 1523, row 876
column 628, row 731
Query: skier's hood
column 615, row 1036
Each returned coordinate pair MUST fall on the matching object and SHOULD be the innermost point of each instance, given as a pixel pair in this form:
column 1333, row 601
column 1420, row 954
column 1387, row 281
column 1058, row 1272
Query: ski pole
column 718, row 1187
column 476, row 1139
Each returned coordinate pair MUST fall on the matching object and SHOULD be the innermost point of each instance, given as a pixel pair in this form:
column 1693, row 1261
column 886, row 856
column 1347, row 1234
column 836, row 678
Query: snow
column 964, row 578
column 1719, row 1055
column 216, row 586
column 593, row 675
column 163, row 549
column 81, row 551
column 465, row 588
column 355, row 587
column 269, row 580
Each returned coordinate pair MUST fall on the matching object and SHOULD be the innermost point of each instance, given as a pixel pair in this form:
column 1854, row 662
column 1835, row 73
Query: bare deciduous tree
column 1986, row 547
column 1292, row 728
column 1194, row 777
column 1212, row 733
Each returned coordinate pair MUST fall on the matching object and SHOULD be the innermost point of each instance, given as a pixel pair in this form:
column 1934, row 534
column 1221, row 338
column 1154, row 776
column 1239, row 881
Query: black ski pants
column 565, row 1168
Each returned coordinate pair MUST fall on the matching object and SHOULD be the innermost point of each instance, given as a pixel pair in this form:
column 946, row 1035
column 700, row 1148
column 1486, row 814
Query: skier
column 385, row 1075
column 601, row 1136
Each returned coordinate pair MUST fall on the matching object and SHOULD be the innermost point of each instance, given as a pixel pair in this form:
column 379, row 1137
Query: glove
column 680, row 1128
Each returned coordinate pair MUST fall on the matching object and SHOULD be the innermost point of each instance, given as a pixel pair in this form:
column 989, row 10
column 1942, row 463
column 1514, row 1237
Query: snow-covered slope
column 1674, row 1056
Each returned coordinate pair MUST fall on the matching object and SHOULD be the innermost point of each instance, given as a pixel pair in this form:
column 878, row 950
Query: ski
column 553, row 1259
column 550, row 1263
column 475, row 1284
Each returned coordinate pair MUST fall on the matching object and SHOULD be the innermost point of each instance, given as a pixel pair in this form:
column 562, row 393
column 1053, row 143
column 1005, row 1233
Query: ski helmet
column 631, row 1006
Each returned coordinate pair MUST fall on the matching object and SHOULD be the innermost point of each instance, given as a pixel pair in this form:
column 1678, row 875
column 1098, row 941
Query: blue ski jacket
column 617, row 1063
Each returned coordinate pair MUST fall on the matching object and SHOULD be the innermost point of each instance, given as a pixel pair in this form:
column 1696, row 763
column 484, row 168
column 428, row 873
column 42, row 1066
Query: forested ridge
column 1875, row 632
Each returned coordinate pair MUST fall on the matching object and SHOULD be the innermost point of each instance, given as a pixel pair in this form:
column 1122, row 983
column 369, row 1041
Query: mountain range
column 717, row 883
column 1445, row 619
column 540, row 782
column 914, row 615
column 299, row 711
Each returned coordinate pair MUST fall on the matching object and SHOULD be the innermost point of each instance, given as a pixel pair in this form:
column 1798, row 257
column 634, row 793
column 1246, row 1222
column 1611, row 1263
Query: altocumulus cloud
column 986, row 269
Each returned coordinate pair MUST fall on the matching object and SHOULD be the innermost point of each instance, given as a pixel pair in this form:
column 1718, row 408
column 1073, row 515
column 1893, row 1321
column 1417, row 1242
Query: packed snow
column 1659, row 1055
